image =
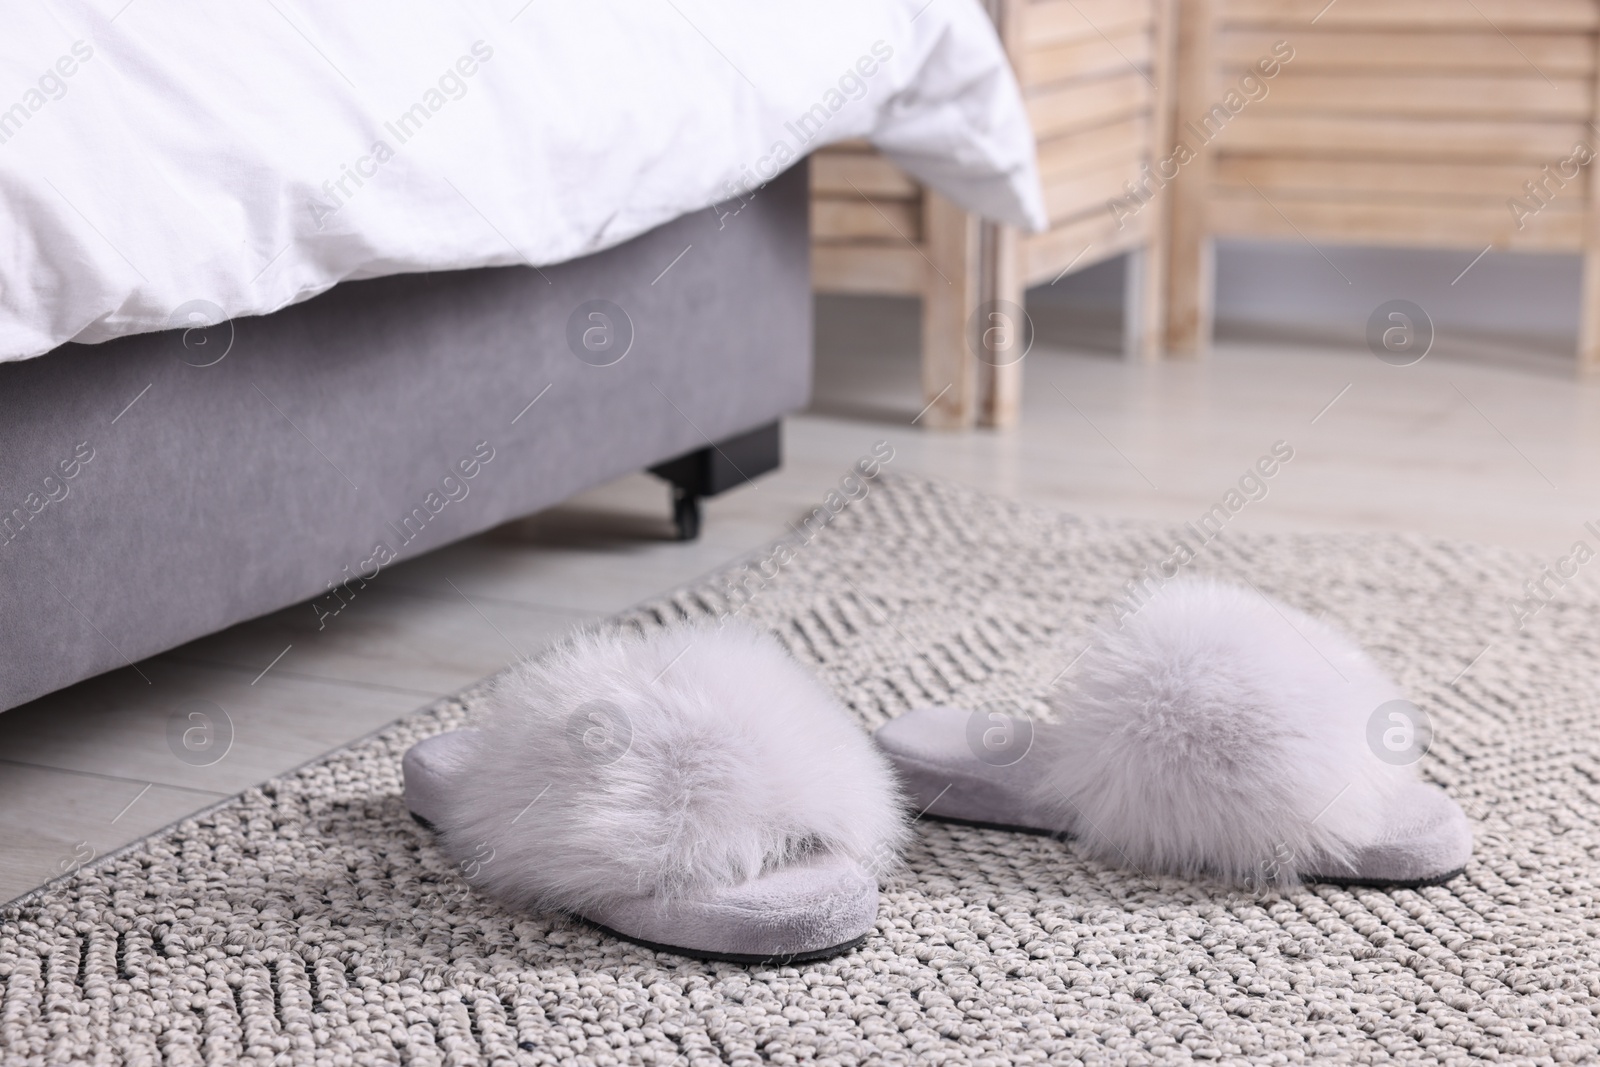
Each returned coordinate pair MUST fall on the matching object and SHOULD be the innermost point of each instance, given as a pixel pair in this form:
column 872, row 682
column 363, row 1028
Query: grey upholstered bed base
column 148, row 501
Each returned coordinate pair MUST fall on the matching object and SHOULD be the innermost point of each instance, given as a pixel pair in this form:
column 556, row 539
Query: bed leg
column 685, row 513
column 724, row 465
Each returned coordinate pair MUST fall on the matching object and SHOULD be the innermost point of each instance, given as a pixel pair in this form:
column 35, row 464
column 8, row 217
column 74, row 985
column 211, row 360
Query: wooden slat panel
column 1434, row 96
column 838, row 218
column 1049, row 21
column 846, row 174
column 1505, row 15
column 1094, row 148
column 1082, row 105
column 1366, row 138
column 1069, row 197
column 1557, row 55
column 1080, row 243
column 1332, row 178
column 1384, row 222
column 894, row 269
column 1116, row 51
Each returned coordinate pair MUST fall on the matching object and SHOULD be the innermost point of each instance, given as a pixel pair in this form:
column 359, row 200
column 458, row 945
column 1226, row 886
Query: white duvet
column 160, row 156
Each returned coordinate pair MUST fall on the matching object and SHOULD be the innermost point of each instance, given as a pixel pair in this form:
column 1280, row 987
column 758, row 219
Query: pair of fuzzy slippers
column 698, row 791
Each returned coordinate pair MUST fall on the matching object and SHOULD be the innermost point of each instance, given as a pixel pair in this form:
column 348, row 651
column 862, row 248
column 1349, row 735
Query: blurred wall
column 1289, row 289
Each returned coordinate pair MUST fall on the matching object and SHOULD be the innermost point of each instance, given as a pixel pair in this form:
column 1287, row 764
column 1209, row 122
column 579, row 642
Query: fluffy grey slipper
column 695, row 791
column 1215, row 732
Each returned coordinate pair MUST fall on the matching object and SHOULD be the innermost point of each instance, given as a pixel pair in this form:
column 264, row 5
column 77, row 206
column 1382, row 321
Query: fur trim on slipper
column 1220, row 732
column 663, row 766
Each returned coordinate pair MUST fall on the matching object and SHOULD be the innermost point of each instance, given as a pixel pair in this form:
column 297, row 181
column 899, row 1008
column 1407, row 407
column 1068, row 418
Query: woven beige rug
column 310, row 921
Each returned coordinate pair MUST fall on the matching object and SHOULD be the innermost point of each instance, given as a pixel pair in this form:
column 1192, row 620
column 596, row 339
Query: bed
column 280, row 307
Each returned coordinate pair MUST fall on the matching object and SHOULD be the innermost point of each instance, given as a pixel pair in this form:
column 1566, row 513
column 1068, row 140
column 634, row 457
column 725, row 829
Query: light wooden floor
column 1460, row 449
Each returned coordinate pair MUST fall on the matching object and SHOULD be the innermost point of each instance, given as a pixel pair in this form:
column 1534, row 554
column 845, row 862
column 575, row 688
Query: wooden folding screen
column 1095, row 75
column 1463, row 124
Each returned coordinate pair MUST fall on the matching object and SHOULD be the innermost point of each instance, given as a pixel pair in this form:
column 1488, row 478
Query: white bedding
column 160, row 156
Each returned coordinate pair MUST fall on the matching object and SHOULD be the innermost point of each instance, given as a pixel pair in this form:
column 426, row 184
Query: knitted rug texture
column 311, row 921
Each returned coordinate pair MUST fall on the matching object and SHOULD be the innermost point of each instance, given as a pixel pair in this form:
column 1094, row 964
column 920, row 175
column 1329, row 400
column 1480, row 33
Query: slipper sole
column 745, row 958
